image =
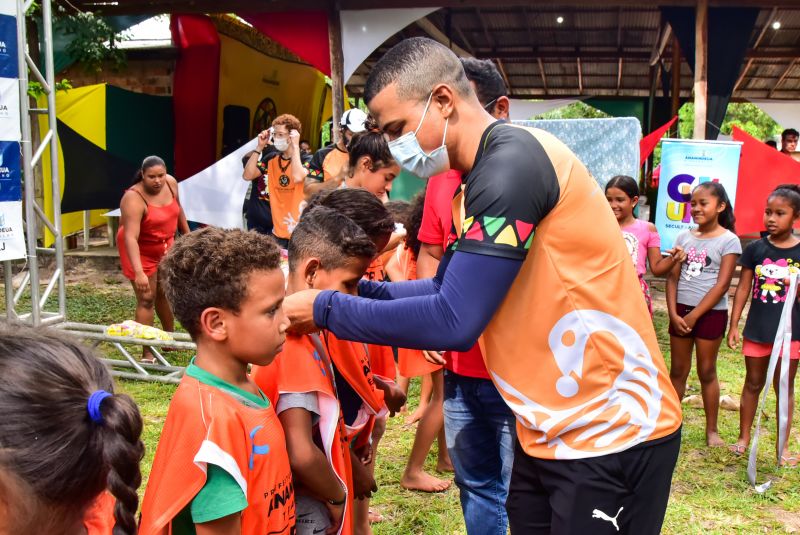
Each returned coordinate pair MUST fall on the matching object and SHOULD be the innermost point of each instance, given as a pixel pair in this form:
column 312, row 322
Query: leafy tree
column 744, row 115
column 577, row 110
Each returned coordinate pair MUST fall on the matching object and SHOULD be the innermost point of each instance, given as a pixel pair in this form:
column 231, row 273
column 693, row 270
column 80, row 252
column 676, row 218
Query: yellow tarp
column 84, row 110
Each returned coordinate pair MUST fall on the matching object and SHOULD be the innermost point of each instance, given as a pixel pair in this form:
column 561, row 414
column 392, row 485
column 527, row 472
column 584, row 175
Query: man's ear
column 310, row 268
column 443, row 97
column 502, row 108
column 213, row 325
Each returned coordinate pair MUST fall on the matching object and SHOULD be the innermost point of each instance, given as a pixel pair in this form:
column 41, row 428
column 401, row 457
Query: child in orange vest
column 69, row 446
column 327, row 251
column 221, row 461
column 371, row 215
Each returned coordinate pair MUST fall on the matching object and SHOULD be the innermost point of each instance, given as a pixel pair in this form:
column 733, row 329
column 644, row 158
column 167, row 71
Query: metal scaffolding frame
column 35, row 218
column 43, row 310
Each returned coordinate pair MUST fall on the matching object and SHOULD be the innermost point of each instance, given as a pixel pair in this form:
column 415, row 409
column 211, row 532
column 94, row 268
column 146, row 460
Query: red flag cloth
column 304, row 33
column 648, row 143
column 195, row 93
column 761, row 169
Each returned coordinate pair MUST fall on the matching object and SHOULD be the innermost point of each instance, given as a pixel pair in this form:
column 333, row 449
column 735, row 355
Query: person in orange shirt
column 327, row 251
column 221, row 464
column 540, row 274
column 283, row 174
column 69, row 446
column 327, row 168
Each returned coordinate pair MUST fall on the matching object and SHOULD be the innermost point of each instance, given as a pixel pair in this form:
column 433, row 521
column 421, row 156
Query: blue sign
column 10, row 173
column 684, row 165
column 9, row 66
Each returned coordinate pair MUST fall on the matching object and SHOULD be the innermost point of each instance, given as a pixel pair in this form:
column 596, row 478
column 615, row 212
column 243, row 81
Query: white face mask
column 407, row 151
column 281, row 144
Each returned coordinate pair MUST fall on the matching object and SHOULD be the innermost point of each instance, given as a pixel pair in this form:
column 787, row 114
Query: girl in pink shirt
column 641, row 237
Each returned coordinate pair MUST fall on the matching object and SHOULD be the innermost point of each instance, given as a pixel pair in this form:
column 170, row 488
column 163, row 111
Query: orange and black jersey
column 327, row 163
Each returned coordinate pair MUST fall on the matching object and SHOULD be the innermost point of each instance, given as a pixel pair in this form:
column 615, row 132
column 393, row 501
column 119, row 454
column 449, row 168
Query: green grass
column 710, row 493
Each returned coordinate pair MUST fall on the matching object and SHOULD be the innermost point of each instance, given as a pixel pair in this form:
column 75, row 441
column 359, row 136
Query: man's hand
column 299, row 308
column 264, row 139
column 294, row 139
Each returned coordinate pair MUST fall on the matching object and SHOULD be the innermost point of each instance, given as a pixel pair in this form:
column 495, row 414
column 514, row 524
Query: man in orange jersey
column 221, row 465
column 327, row 251
column 540, row 274
column 283, row 173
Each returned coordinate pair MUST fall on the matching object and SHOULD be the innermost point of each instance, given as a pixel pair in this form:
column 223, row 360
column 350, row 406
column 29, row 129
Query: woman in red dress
column 151, row 214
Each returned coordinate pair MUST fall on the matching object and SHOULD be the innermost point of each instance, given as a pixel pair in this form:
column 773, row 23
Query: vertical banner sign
column 12, row 234
column 684, row 165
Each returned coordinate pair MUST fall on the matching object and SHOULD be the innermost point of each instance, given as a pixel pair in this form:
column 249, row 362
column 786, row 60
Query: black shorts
column 709, row 326
column 624, row 492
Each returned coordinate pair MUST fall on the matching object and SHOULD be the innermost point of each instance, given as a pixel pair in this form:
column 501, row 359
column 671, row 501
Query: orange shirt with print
column 286, row 198
column 304, row 367
column 572, row 348
column 206, row 425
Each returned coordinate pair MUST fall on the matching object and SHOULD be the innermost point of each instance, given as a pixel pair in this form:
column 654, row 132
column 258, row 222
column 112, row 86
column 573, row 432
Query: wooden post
column 700, row 74
column 337, row 66
column 676, row 83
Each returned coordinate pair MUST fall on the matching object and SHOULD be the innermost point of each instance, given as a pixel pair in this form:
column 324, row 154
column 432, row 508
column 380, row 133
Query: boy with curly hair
column 221, row 465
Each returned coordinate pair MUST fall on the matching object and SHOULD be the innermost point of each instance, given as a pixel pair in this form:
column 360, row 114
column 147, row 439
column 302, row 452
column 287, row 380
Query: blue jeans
column 480, row 431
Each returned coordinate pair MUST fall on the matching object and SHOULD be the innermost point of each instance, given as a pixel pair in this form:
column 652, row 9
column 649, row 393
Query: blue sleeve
column 385, row 291
column 454, row 317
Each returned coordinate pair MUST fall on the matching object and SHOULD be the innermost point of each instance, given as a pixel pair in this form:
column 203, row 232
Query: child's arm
column 739, row 301
column 726, row 269
column 394, row 269
column 672, row 298
column 660, row 265
column 363, row 482
column 227, row 525
column 394, row 397
column 309, row 464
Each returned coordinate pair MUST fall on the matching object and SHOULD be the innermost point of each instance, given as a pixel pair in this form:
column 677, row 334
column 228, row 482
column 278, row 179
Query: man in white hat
column 327, row 168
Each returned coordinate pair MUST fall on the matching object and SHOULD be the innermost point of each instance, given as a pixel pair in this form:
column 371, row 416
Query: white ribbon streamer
column 780, row 350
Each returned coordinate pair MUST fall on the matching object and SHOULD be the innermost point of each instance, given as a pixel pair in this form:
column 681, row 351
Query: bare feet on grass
column 423, row 482
column 713, row 440
column 444, row 465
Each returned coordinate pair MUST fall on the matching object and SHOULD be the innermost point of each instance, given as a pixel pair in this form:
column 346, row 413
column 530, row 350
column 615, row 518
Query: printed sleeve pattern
column 511, row 188
column 314, row 166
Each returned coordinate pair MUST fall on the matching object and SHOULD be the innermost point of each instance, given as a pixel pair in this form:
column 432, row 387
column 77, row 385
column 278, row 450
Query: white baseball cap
column 354, row 119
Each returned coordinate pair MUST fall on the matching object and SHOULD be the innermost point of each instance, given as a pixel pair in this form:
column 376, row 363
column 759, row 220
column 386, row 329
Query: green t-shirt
column 221, row 495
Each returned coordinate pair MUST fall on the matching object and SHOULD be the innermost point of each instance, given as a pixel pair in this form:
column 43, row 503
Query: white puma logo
column 597, row 513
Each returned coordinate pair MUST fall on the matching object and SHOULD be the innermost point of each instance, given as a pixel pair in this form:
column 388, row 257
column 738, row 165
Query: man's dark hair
column 364, row 208
column 789, row 132
column 416, row 65
column 329, row 235
column 487, row 79
column 210, row 267
column 771, row 143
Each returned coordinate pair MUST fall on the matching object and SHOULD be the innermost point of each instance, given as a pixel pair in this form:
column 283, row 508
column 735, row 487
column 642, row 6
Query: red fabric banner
column 648, row 143
column 761, row 169
column 195, row 93
column 304, row 33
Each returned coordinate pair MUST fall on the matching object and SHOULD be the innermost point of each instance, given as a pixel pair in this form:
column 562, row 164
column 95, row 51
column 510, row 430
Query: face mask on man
column 281, row 144
column 407, row 151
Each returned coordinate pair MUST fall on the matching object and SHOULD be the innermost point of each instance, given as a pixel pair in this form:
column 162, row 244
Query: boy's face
column 342, row 279
column 256, row 333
